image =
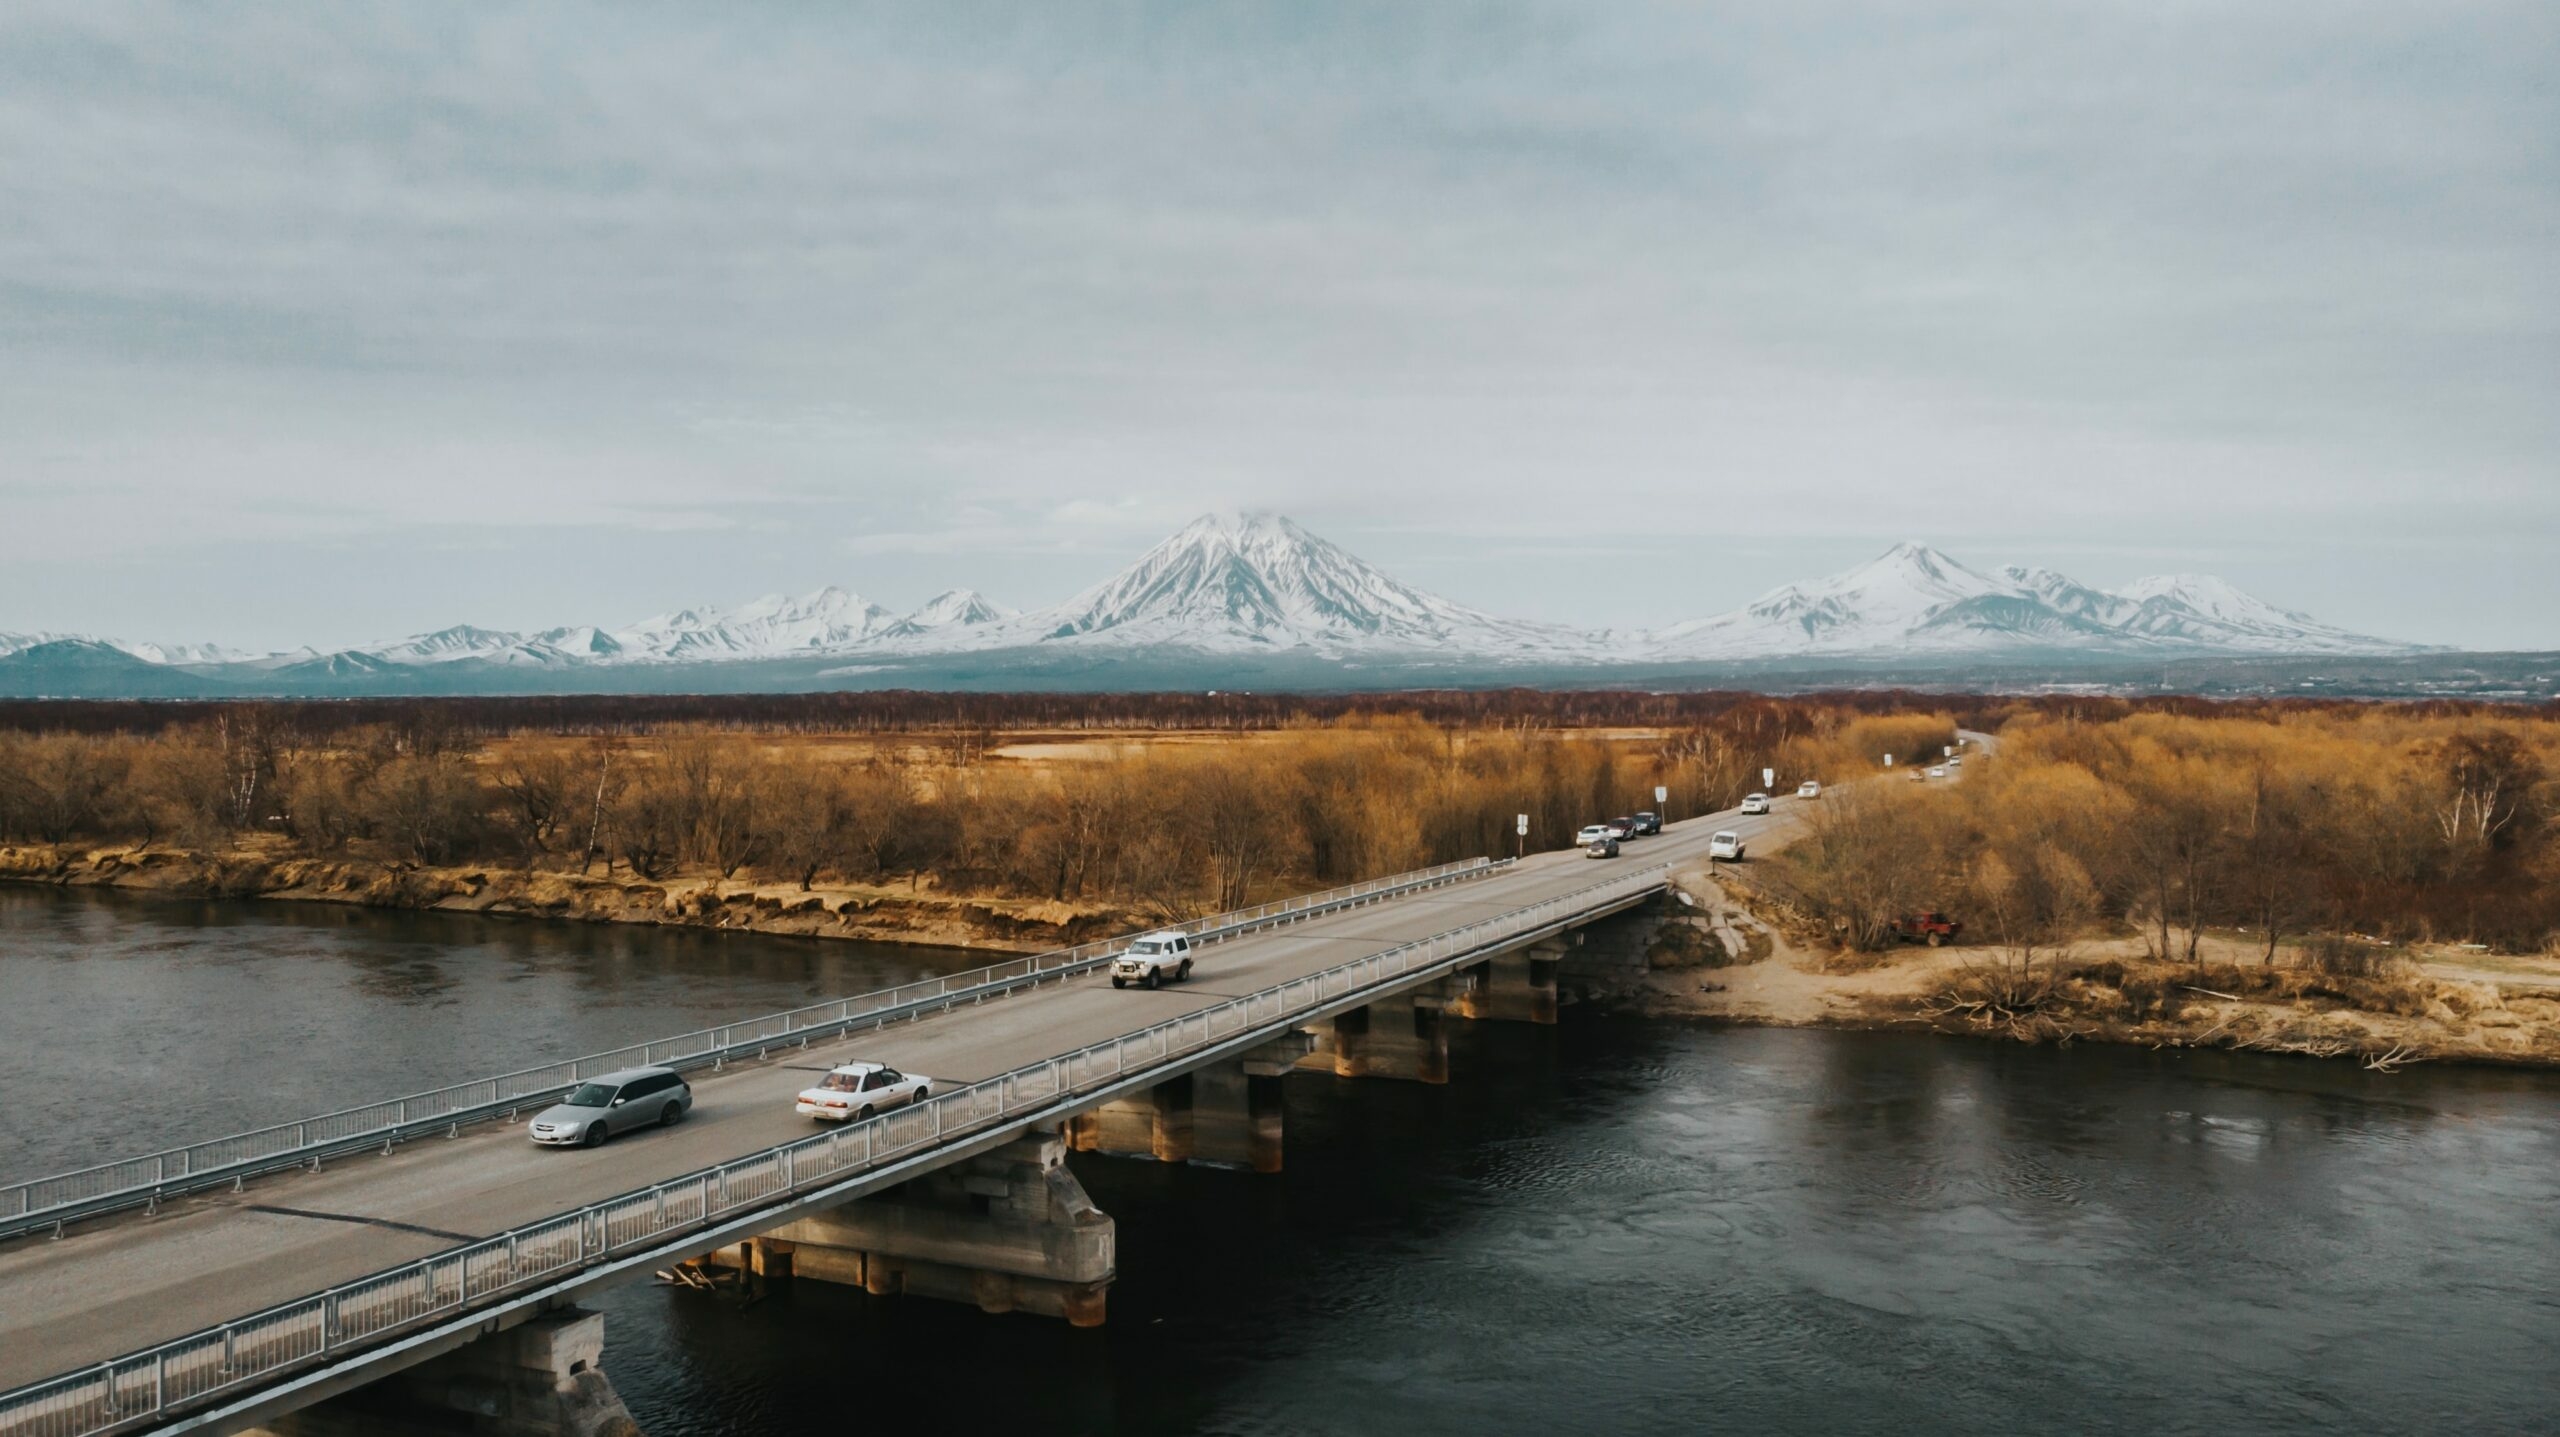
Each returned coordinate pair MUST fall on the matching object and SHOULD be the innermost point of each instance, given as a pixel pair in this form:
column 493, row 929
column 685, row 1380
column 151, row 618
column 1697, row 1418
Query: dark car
column 1648, row 822
column 1625, row 824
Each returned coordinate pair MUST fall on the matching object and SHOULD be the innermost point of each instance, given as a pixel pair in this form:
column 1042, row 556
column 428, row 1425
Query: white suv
column 1727, row 845
column 1153, row 959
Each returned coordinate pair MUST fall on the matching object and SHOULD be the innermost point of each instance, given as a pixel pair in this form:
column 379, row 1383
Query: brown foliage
column 2394, row 822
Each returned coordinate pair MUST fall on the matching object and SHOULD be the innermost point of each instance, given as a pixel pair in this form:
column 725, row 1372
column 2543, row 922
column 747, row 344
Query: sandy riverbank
column 2447, row 1005
column 893, row 913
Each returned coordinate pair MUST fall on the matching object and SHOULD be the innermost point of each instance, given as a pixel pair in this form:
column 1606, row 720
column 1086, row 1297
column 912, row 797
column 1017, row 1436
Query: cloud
column 905, row 284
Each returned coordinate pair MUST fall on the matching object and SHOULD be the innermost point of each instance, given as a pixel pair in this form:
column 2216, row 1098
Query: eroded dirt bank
column 2421, row 1005
column 881, row 913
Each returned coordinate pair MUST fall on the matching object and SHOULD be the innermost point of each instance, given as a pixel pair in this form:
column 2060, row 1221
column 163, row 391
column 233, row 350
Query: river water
column 1612, row 1225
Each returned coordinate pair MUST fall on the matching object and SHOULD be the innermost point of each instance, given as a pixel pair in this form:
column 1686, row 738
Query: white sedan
column 851, row 1092
column 1756, row 803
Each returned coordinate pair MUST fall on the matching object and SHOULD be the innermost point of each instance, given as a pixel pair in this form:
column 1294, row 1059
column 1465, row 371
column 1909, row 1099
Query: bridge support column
column 1518, row 986
column 1154, row 1124
column 1402, row 1036
column 542, row 1378
column 1236, row 1107
column 1010, row 1230
column 1227, row 1114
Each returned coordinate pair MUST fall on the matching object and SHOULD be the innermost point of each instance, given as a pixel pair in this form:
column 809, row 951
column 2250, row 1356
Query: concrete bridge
column 415, row 1265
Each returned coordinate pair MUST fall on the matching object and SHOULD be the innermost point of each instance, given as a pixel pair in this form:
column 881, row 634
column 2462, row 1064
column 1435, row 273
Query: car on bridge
column 1756, row 803
column 1153, row 959
column 851, row 1092
column 1602, row 847
column 1938, row 771
column 1648, row 822
column 613, row 1103
column 1809, row 789
column 1726, row 845
column 1592, row 833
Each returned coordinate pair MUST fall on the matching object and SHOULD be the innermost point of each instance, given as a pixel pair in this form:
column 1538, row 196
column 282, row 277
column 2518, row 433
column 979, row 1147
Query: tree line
column 1172, row 827
column 2399, row 823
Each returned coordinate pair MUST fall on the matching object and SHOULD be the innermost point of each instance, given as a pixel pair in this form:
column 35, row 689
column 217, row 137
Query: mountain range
column 1230, row 588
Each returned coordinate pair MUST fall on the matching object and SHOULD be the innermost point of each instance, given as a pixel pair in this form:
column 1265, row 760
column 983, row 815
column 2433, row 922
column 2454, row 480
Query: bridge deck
column 131, row 1281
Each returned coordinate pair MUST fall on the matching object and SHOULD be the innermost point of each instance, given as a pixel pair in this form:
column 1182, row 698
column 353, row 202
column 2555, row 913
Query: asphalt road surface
column 131, row 1281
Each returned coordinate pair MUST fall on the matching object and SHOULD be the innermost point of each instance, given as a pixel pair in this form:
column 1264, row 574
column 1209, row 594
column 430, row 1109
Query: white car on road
column 1808, row 789
column 1756, row 803
column 1938, row 771
column 1592, row 833
column 851, row 1092
column 1727, row 844
column 1153, row 959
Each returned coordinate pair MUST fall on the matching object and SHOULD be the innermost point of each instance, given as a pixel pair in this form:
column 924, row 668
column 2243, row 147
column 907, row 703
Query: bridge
column 277, row 1279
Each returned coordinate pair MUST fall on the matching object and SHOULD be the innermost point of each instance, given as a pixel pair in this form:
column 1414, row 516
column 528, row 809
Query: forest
column 2174, row 816
column 2313, row 824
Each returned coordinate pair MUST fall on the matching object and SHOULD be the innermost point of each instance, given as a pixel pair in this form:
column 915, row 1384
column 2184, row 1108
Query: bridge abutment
column 1010, row 1230
column 541, row 1378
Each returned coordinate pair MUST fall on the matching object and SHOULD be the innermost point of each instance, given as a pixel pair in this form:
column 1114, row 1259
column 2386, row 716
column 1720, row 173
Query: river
column 1612, row 1225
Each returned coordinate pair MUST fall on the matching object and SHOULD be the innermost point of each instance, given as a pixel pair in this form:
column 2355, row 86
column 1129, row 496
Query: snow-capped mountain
column 1913, row 598
column 1252, row 588
column 172, row 654
column 20, row 643
column 949, row 610
column 775, row 626
column 1257, row 582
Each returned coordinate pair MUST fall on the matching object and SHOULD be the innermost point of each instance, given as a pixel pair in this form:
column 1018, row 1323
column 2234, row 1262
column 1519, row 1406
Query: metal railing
column 145, row 1385
column 134, row 1182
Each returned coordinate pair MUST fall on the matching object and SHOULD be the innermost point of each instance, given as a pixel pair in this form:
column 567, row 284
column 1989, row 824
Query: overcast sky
column 328, row 324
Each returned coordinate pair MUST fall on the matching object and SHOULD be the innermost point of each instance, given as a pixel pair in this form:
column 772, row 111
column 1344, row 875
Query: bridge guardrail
column 135, row 1182
column 145, row 1385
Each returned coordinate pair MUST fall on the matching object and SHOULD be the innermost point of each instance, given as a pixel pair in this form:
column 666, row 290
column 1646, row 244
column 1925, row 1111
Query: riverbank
column 920, row 914
column 2417, row 1006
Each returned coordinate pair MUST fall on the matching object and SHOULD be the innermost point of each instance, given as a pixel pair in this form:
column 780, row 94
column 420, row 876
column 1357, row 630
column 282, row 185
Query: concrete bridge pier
column 1402, row 1036
column 1010, row 1230
column 1227, row 1114
column 541, row 1378
column 1518, row 986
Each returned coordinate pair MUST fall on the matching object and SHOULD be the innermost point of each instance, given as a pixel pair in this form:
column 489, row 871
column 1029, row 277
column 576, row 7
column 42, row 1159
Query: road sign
column 1524, row 825
column 1951, row 750
column 1888, row 760
column 1768, row 778
column 1660, row 793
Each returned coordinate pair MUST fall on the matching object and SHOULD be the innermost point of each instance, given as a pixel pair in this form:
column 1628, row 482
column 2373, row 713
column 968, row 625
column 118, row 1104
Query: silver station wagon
column 613, row 1103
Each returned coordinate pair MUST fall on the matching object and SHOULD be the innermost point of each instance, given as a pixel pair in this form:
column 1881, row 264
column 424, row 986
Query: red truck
column 1932, row 928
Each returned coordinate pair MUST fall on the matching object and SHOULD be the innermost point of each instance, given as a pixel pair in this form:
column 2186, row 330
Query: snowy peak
column 1254, row 583
column 775, row 626
column 1913, row 598
column 1873, row 605
column 1258, row 580
column 950, row 610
